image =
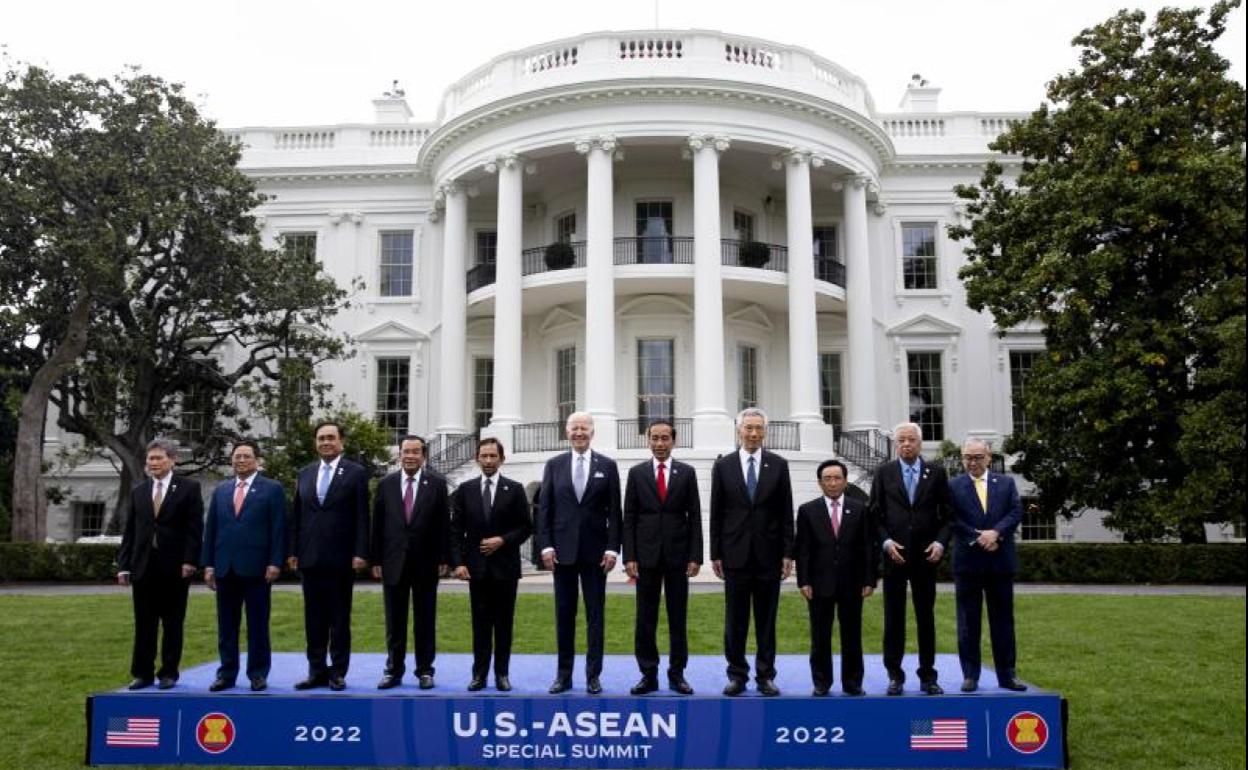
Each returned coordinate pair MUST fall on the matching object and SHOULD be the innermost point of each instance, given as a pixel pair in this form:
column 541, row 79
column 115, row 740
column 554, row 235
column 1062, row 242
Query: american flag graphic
column 133, row 731
column 938, row 735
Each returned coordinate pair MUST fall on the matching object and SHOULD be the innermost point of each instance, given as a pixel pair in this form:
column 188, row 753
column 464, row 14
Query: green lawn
column 1153, row 681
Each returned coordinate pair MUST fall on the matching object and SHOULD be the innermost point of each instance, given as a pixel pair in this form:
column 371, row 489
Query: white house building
column 660, row 161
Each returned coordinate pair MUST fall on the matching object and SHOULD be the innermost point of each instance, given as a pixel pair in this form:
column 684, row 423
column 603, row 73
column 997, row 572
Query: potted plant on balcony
column 560, row 256
column 754, row 254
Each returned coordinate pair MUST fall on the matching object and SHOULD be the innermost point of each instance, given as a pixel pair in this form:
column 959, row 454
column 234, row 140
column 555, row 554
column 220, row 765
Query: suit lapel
column 738, row 473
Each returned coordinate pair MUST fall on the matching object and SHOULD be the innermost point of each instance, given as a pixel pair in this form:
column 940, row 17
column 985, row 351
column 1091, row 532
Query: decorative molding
column 559, row 317
column 751, row 315
column 648, row 306
column 709, row 141
column 391, row 332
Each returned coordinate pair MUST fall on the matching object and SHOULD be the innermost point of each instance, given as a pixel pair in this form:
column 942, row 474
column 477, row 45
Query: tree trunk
column 30, row 502
column 132, row 469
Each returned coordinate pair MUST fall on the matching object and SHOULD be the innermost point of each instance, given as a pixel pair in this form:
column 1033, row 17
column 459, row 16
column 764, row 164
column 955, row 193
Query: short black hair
column 661, row 421
column 491, row 440
column 342, row 433
column 255, row 447
column 413, row 437
column 828, row 464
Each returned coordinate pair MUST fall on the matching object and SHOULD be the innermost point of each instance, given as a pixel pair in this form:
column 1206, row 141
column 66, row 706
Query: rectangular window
column 565, row 227
column 195, row 418
column 927, row 394
column 1037, row 524
column 831, row 403
column 743, row 224
column 482, row 392
column 654, row 232
column 1021, row 364
column 300, row 247
column 825, row 243
column 393, row 378
column 88, row 519
column 487, row 247
column 747, row 372
column 565, row 382
column 918, row 256
column 396, row 264
column 656, row 380
column 296, row 393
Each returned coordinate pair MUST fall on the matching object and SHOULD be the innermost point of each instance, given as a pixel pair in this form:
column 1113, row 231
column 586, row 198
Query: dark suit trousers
column 327, row 595
column 922, row 580
column 997, row 589
column 493, row 603
column 743, row 589
column 592, row 582
column 233, row 592
column 159, row 600
column 674, row 584
column 823, row 611
column 422, row 588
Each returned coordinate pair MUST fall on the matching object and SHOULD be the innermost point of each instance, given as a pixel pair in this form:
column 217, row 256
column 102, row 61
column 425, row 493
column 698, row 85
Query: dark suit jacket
column 668, row 533
column 827, row 563
column 426, row 540
column 741, row 529
column 179, row 531
column 1005, row 513
column 470, row 525
column 579, row 531
column 256, row 539
column 913, row 527
column 329, row 534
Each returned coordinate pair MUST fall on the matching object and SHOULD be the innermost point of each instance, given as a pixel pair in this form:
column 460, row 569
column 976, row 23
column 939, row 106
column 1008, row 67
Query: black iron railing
column 540, row 437
column 777, row 256
column 452, row 451
column 867, row 449
column 663, row 250
column 631, row 433
column 533, row 261
column 479, row 276
column 783, row 434
column 830, row 270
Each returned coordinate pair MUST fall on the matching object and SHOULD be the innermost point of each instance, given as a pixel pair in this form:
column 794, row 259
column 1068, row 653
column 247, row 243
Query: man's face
column 489, row 459
column 580, row 433
column 411, row 455
column 244, row 461
column 832, row 481
column 908, row 444
column 661, row 441
column 158, row 463
column 752, row 432
column 328, row 442
column 975, row 458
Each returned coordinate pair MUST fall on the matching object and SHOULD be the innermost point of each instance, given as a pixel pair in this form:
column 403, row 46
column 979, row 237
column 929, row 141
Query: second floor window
column 831, row 402
column 487, row 247
column 565, row 382
column 747, row 371
column 1021, row 364
column 300, row 247
column 396, row 264
column 743, row 224
column 565, row 227
column 918, row 256
column 824, row 242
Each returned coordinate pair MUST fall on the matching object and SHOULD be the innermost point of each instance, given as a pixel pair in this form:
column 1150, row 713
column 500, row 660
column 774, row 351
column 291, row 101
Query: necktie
column 981, row 489
column 751, row 479
column 836, row 518
column 322, row 485
column 409, row 499
column 487, row 499
column 910, row 482
column 159, row 498
column 578, row 478
column 239, row 491
column 662, row 482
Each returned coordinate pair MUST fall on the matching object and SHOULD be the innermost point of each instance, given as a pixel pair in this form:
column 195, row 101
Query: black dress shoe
column 679, row 685
column 311, row 683
column 644, row 685
column 931, row 688
column 895, row 686
column 820, row 691
column 1012, row 684
column 389, row 682
column 593, row 686
column 767, row 688
column 477, row 683
column 969, row 685
column 560, row 685
column 425, row 681
column 220, row 684
column 854, row 691
column 502, row 683
column 337, row 683
column 138, row 683
column 259, row 684
column 734, row 688
column 166, row 683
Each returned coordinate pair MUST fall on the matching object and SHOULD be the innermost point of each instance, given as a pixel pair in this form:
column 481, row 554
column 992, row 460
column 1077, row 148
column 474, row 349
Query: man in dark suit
column 489, row 521
column 751, row 548
column 910, row 505
column 159, row 553
column 835, row 553
column 328, row 538
column 578, row 536
column 244, row 546
column 662, row 550
column 410, row 550
column 986, row 511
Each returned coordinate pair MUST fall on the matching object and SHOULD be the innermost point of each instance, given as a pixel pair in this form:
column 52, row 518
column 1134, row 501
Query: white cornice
column 329, row 173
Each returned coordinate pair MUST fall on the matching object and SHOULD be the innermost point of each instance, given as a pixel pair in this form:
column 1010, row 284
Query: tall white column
column 507, row 297
column 600, row 288
column 712, row 425
column 860, row 406
column 453, row 394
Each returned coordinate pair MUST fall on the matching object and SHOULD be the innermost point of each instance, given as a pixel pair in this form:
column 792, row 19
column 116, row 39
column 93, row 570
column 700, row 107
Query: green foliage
column 1132, row 563
column 754, row 254
column 1123, row 234
column 559, row 256
column 365, row 442
column 57, row 563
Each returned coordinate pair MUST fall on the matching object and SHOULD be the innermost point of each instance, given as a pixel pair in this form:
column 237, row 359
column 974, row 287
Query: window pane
column 927, row 398
column 830, row 399
column 1021, row 364
column 565, row 228
column 743, row 224
column 825, row 245
column 565, row 383
column 396, row 264
column 482, row 392
column 487, row 247
column 747, row 369
column 88, row 519
column 299, row 246
column 1037, row 524
column 656, row 380
column 392, row 396
column 654, row 231
column 918, row 256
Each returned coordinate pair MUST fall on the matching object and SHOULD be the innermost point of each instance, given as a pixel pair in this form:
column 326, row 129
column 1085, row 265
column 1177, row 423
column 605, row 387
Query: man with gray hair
column 159, row 555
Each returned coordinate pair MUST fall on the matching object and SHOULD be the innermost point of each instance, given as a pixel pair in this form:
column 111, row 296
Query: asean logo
column 214, row 733
column 1027, row 732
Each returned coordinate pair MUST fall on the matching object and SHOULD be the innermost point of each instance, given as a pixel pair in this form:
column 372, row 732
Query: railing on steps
column 453, row 451
column 867, row 449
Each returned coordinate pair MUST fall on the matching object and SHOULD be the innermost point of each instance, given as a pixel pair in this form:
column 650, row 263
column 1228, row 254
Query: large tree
column 131, row 268
column 1123, row 233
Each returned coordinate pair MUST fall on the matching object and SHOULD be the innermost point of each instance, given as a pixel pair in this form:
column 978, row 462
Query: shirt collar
column 247, row 479
column 492, row 479
column 745, row 456
column 333, row 464
column 415, row 475
column 914, row 466
column 654, row 464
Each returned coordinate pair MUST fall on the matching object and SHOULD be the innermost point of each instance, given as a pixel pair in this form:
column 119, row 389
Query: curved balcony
column 646, row 250
column 738, row 254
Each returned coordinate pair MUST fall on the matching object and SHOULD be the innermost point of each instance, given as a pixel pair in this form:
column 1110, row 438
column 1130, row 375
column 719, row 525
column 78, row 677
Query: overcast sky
column 281, row 62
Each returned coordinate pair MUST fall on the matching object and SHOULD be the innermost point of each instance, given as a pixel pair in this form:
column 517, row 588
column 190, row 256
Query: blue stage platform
column 529, row 728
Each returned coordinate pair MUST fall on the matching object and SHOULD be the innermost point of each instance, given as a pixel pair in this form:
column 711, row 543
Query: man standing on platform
column 328, row 537
column 835, row 553
column 910, row 505
column 662, row 550
column 159, row 553
column 244, row 546
column 751, row 548
column 986, row 512
column 489, row 521
column 410, row 550
column 578, row 534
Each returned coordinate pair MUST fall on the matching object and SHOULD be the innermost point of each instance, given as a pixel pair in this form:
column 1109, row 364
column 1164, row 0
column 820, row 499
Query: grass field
column 1154, row 682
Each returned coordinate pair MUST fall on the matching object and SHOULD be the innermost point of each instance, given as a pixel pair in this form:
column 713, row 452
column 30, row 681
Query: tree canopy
column 1121, row 229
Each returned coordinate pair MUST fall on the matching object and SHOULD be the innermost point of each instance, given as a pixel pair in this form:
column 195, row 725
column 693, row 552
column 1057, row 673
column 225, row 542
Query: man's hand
column 358, row 563
column 210, row 578
column 187, row 571
column 630, row 569
column 460, row 573
column 608, row 562
column 786, row 569
column 988, row 539
column 550, row 559
column 867, row 591
column 808, row 592
column 894, row 552
column 491, row 544
column 692, row 569
column 292, row 563
column 272, row 573
column 934, row 552
column 376, row 572
column 444, row 570
column 717, row 566
column 123, row 578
